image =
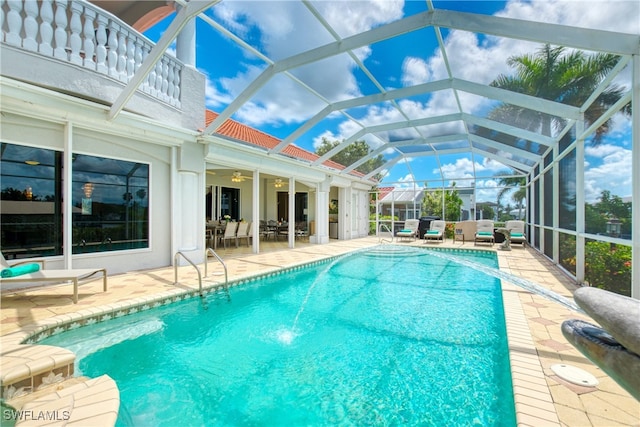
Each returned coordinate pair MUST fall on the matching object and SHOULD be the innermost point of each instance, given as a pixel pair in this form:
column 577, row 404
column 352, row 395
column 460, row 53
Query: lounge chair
column 435, row 231
column 410, row 229
column 484, row 232
column 517, row 231
column 43, row 278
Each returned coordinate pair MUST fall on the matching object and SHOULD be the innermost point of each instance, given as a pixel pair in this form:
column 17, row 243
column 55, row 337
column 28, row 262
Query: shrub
column 608, row 267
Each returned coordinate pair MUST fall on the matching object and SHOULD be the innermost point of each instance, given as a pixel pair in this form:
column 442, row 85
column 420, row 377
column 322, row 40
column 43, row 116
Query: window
column 110, row 203
column 31, row 201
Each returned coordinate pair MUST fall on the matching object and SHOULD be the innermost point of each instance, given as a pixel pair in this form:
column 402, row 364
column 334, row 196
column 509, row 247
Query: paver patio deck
column 533, row 324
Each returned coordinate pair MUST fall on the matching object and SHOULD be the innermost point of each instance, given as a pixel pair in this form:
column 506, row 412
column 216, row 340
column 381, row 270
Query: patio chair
column 517, row 231
column 410, row 229
column 435, row 231
column 31, row 274
column 484, row 232
column 230, row 233
column 244, row 232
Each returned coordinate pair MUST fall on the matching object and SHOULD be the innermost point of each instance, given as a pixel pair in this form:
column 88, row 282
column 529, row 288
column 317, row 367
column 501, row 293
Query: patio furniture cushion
column 435, row 232
column 516, row 235
column 484, row 233
column 19, row 270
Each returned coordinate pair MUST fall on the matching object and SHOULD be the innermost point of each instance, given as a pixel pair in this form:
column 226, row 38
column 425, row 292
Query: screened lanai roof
column 411, row 80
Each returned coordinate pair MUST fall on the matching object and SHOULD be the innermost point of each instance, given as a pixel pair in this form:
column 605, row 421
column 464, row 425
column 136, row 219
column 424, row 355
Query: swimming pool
column 379, row 337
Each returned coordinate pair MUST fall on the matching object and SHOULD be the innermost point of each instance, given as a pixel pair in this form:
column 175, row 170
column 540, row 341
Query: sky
column 282, row 29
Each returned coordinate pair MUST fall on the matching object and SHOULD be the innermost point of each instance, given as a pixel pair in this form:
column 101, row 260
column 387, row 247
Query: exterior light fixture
column 278, row 183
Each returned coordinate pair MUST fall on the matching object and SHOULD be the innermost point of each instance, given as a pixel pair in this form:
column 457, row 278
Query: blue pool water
column 393, row 337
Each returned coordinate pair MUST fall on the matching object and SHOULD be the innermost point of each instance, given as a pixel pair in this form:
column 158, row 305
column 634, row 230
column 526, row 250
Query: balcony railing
column 80, row 33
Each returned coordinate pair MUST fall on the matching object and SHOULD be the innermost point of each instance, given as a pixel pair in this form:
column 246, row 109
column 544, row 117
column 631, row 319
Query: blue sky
column 282, row 29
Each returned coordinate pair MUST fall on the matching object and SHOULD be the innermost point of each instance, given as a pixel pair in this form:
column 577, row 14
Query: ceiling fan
column 238, row 177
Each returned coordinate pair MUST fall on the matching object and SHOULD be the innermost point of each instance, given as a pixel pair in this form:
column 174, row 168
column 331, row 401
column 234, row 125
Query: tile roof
column 236, row 130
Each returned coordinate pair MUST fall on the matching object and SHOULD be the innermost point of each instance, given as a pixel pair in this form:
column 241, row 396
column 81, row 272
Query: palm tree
column 508, row 184
column 569, row 77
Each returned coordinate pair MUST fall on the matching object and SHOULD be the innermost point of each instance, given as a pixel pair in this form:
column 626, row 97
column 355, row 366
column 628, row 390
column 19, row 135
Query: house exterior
column 103, row 156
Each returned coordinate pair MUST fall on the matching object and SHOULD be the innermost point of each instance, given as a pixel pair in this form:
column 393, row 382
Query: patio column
column 255, row 228
column 292, row 212
column 322, row 214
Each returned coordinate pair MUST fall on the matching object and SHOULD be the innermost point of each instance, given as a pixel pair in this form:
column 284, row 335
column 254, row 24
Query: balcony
column 77, row 48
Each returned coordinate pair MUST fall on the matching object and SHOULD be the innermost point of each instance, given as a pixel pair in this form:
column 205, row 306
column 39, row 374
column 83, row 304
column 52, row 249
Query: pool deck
column 533, row 325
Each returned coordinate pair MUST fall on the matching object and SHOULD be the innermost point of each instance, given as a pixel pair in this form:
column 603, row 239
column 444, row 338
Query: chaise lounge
column 410, row 229
column 484, row 232
column 436, row 231
column 517, row 231
column 30, row 274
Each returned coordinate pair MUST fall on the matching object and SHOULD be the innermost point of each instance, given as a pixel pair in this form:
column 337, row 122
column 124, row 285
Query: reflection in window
column 110, row 204
column 31, row 216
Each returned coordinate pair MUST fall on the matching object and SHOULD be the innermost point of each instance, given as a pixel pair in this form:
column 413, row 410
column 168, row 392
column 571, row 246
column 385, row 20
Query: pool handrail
column 175, row 270
column 389, row 231
column 224, row 265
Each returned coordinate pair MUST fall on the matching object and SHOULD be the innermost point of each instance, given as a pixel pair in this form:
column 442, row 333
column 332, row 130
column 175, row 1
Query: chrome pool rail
column 382, row 240
column 224, row 265
column 175, row 270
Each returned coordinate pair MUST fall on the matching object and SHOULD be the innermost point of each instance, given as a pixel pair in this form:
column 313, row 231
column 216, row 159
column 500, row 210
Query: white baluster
column 101, row 48
column 60, row 33
column 137, row 55
column 112, row 44
column 89, row 36
column 121, row 67
column 46, row 29
column 75, row 42
column 176, row 80
column 158, row 83
column 30, row 26
column 131, row 52
column 14, row 23
column 170, row 77
column 165, row 78
column 148, row 82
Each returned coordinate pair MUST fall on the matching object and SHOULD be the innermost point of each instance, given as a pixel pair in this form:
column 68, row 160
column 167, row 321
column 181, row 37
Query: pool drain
column 575, row 375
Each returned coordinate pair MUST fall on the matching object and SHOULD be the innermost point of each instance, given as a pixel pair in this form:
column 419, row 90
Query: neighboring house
column 127, row 159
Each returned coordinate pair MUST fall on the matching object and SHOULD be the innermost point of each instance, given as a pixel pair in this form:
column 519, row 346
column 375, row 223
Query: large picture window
column 110, row 203
column 31, row 201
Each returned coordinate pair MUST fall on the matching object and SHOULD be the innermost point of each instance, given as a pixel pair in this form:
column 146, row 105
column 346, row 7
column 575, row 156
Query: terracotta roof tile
column 236, row 130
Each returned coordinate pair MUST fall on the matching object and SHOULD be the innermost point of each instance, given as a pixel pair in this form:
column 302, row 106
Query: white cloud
column 613, row 172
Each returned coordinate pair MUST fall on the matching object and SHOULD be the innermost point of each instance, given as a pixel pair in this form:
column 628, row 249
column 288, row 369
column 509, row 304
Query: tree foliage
column 608, row 206
column 432, row 204
column 561, row 75
column 351, row 154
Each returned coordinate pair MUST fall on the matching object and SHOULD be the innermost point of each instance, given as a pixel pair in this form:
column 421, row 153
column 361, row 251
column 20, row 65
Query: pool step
column 92, row 402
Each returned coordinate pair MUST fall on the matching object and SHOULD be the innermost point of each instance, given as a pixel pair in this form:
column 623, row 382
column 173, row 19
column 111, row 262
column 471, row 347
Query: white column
column 635, row 182
column 186, row 44
column 255, row 228
column 322, row 214
column 292, row 212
